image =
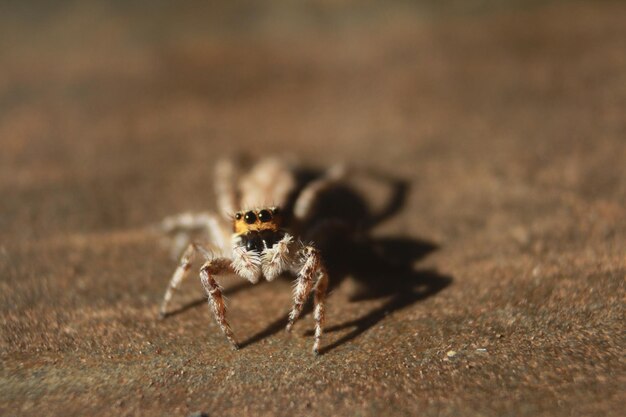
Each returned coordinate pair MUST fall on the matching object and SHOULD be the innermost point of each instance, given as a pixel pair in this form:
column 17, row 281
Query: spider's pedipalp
column 247, row 264
column 276, row 258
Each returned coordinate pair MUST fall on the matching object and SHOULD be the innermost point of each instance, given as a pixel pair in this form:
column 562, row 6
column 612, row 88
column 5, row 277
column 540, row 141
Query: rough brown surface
column 507, row 120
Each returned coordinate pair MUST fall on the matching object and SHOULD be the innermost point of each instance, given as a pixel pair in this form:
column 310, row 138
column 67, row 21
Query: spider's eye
column 275, row 210
column 265, row 216
column 238, row 216
column 250, row 217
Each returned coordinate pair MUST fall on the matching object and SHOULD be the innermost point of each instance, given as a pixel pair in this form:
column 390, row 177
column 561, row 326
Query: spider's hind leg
column 228, row 198
column 182, row 227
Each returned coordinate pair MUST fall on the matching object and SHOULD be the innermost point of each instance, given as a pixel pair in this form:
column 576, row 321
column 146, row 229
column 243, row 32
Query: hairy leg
column 304, row 283
column 183, row 224
column 226, row 188
column 268, row 183
column 311, row 268
column 214, row 292
column 320, row 303
column 181, row 272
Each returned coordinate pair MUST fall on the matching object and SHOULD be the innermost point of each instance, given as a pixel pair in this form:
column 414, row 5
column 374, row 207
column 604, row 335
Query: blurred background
column 137, row 99
column 506, row 120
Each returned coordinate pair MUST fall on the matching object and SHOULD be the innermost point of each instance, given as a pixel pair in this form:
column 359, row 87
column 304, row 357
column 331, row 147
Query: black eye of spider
column 250, row 217
column 238, row 216
column 275, row 210
column 265, row 216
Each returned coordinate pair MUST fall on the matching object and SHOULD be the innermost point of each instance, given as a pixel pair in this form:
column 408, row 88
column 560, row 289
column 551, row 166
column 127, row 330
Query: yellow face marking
column 257, row 220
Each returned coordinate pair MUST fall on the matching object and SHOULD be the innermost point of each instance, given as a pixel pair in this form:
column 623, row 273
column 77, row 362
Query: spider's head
column 257, row 220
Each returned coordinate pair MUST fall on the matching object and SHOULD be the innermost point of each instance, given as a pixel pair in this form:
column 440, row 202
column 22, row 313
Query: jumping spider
column 259, row 245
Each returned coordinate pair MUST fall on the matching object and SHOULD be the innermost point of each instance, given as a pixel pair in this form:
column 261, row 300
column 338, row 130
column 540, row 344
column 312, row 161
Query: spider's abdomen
column 257, row 241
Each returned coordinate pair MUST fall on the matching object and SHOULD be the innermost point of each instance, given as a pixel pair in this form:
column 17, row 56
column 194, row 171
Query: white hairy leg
column 184, row 224
column 181, row 272
column 214, row 293
column 226, row 188
column 268, row 183
column 311, row 268
column 320, row 303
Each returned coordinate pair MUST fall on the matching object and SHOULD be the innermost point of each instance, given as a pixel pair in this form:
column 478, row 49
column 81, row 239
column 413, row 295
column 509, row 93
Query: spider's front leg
column 312, row 268
column 181, row 273
column 214, row 292
column 210, row 268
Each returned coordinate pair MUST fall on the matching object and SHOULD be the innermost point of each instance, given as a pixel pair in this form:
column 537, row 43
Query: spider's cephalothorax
column 259, row 229
column 259, row 245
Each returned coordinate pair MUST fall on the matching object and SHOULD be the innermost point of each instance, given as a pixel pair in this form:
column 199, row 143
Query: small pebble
column 451, row 354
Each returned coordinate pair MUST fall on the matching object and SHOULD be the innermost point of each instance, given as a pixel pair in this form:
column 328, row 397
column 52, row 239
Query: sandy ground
column 493, row 286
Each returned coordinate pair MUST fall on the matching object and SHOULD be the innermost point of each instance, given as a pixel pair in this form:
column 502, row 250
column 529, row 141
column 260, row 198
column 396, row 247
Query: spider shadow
column 381, row 268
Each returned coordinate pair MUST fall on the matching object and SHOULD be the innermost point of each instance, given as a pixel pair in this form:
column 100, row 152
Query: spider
column 260, row 245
